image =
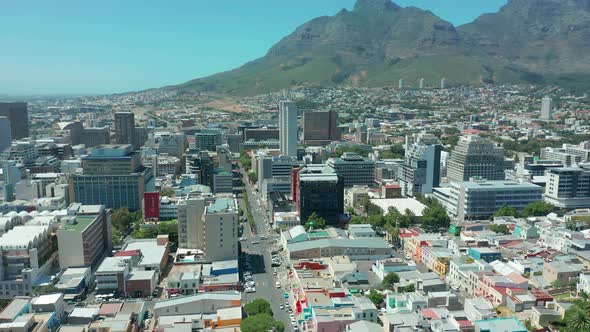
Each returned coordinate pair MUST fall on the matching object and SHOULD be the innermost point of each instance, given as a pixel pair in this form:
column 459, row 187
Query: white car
column 281, row 307
column 278, row 284
column 250, row 290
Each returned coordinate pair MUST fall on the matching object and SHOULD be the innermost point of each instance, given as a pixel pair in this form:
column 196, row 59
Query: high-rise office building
column 320, row 128
column 260, row 134
column 421, row 169
column 200, row 164
column 288, row 128
column 85, row 238
column 190, row 220
column 112, row 176
column 209, row 224
column 172, row 144
column 568, row 154
column 480, row 199
column 443, row 83
column 361, row 134
column 421, row 83
column 125, row 128
column 354, row 169
column 400, row 83
column 18, row 116
column 546, row 108
column 320, row 192
column 5, row 133
column 568, row 187
column 476, row 156
column 208, row 139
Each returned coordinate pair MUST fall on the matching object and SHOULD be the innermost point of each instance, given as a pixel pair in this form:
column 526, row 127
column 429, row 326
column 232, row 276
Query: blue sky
column 107, row 46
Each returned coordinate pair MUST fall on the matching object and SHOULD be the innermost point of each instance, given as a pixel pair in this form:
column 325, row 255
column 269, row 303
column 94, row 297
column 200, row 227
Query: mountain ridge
column 378, row 42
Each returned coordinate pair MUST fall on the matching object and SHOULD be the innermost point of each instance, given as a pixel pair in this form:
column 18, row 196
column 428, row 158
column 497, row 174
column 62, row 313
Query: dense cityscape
column 313, row 209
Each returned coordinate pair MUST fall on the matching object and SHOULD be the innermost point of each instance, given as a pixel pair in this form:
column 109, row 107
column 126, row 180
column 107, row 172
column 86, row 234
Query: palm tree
column 577, row 321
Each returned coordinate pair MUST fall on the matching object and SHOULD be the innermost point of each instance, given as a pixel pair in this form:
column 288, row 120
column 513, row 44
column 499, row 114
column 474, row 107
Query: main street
column 260, row 257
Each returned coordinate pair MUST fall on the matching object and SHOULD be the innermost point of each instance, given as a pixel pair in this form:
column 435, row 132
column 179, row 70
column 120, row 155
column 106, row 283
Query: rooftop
column 46, row 299
column 500, row 184
column 500, row 324
column 78, row 224
column 152, row 253
column 222, row 205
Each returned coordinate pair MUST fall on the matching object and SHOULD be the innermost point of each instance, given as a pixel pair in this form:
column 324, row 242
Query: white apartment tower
column 546, row 108
column 288, row 128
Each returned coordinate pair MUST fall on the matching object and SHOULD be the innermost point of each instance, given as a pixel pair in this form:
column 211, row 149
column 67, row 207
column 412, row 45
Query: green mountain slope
column 379, row 42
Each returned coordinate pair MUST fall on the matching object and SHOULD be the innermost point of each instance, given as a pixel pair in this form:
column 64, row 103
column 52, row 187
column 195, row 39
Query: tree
column 169, row 192
column 376, row 297
column 499, row 228
column 258, row 306
column 253, row 177
column 261, row 322
column 376, row 220
column 245, row 160
column 47, row 289
column 121, row 219
column 358, row 220
column 577, row 317
column 350, row 210
column 537, row 209
column 316, row 221
column 406, row 289
column 163, row 227
column 506, row 211
column 365, row 203
column 116, row 236
column 390, row 279
column 374, row 210
column 435, row 217
column 393, row 217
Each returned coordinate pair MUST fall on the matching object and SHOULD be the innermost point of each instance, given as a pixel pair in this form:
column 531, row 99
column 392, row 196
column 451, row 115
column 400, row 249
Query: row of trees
column 245, row 160
column 260, row 318
column 161, row 228
column 534, row 209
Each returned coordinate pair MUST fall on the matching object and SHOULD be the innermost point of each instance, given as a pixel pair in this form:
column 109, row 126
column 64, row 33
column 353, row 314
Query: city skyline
column 66, row 48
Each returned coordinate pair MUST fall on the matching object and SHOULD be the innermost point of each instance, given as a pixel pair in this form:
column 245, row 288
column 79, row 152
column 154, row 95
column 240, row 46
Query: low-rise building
column 507, row 324
column 356, row 249
column 381, row 268
column 485, row 254
column 205, row 303
column 562, row 272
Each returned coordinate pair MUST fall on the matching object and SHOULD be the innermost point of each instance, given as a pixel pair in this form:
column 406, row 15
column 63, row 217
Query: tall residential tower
column 288, row 128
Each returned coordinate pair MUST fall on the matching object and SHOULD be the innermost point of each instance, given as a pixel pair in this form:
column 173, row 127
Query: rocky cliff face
column 379, row 42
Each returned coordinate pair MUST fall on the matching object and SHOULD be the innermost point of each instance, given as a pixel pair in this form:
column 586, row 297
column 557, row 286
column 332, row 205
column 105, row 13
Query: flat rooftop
column 78, row 224
column 222, row 204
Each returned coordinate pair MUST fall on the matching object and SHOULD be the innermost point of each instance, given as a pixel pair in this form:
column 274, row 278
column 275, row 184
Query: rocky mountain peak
column 372, row 6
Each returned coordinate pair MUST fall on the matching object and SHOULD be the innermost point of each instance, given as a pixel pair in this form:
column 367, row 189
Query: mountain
column 379, row 42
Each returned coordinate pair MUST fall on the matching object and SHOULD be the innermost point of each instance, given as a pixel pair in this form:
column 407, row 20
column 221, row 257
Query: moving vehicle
column 278, row 284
